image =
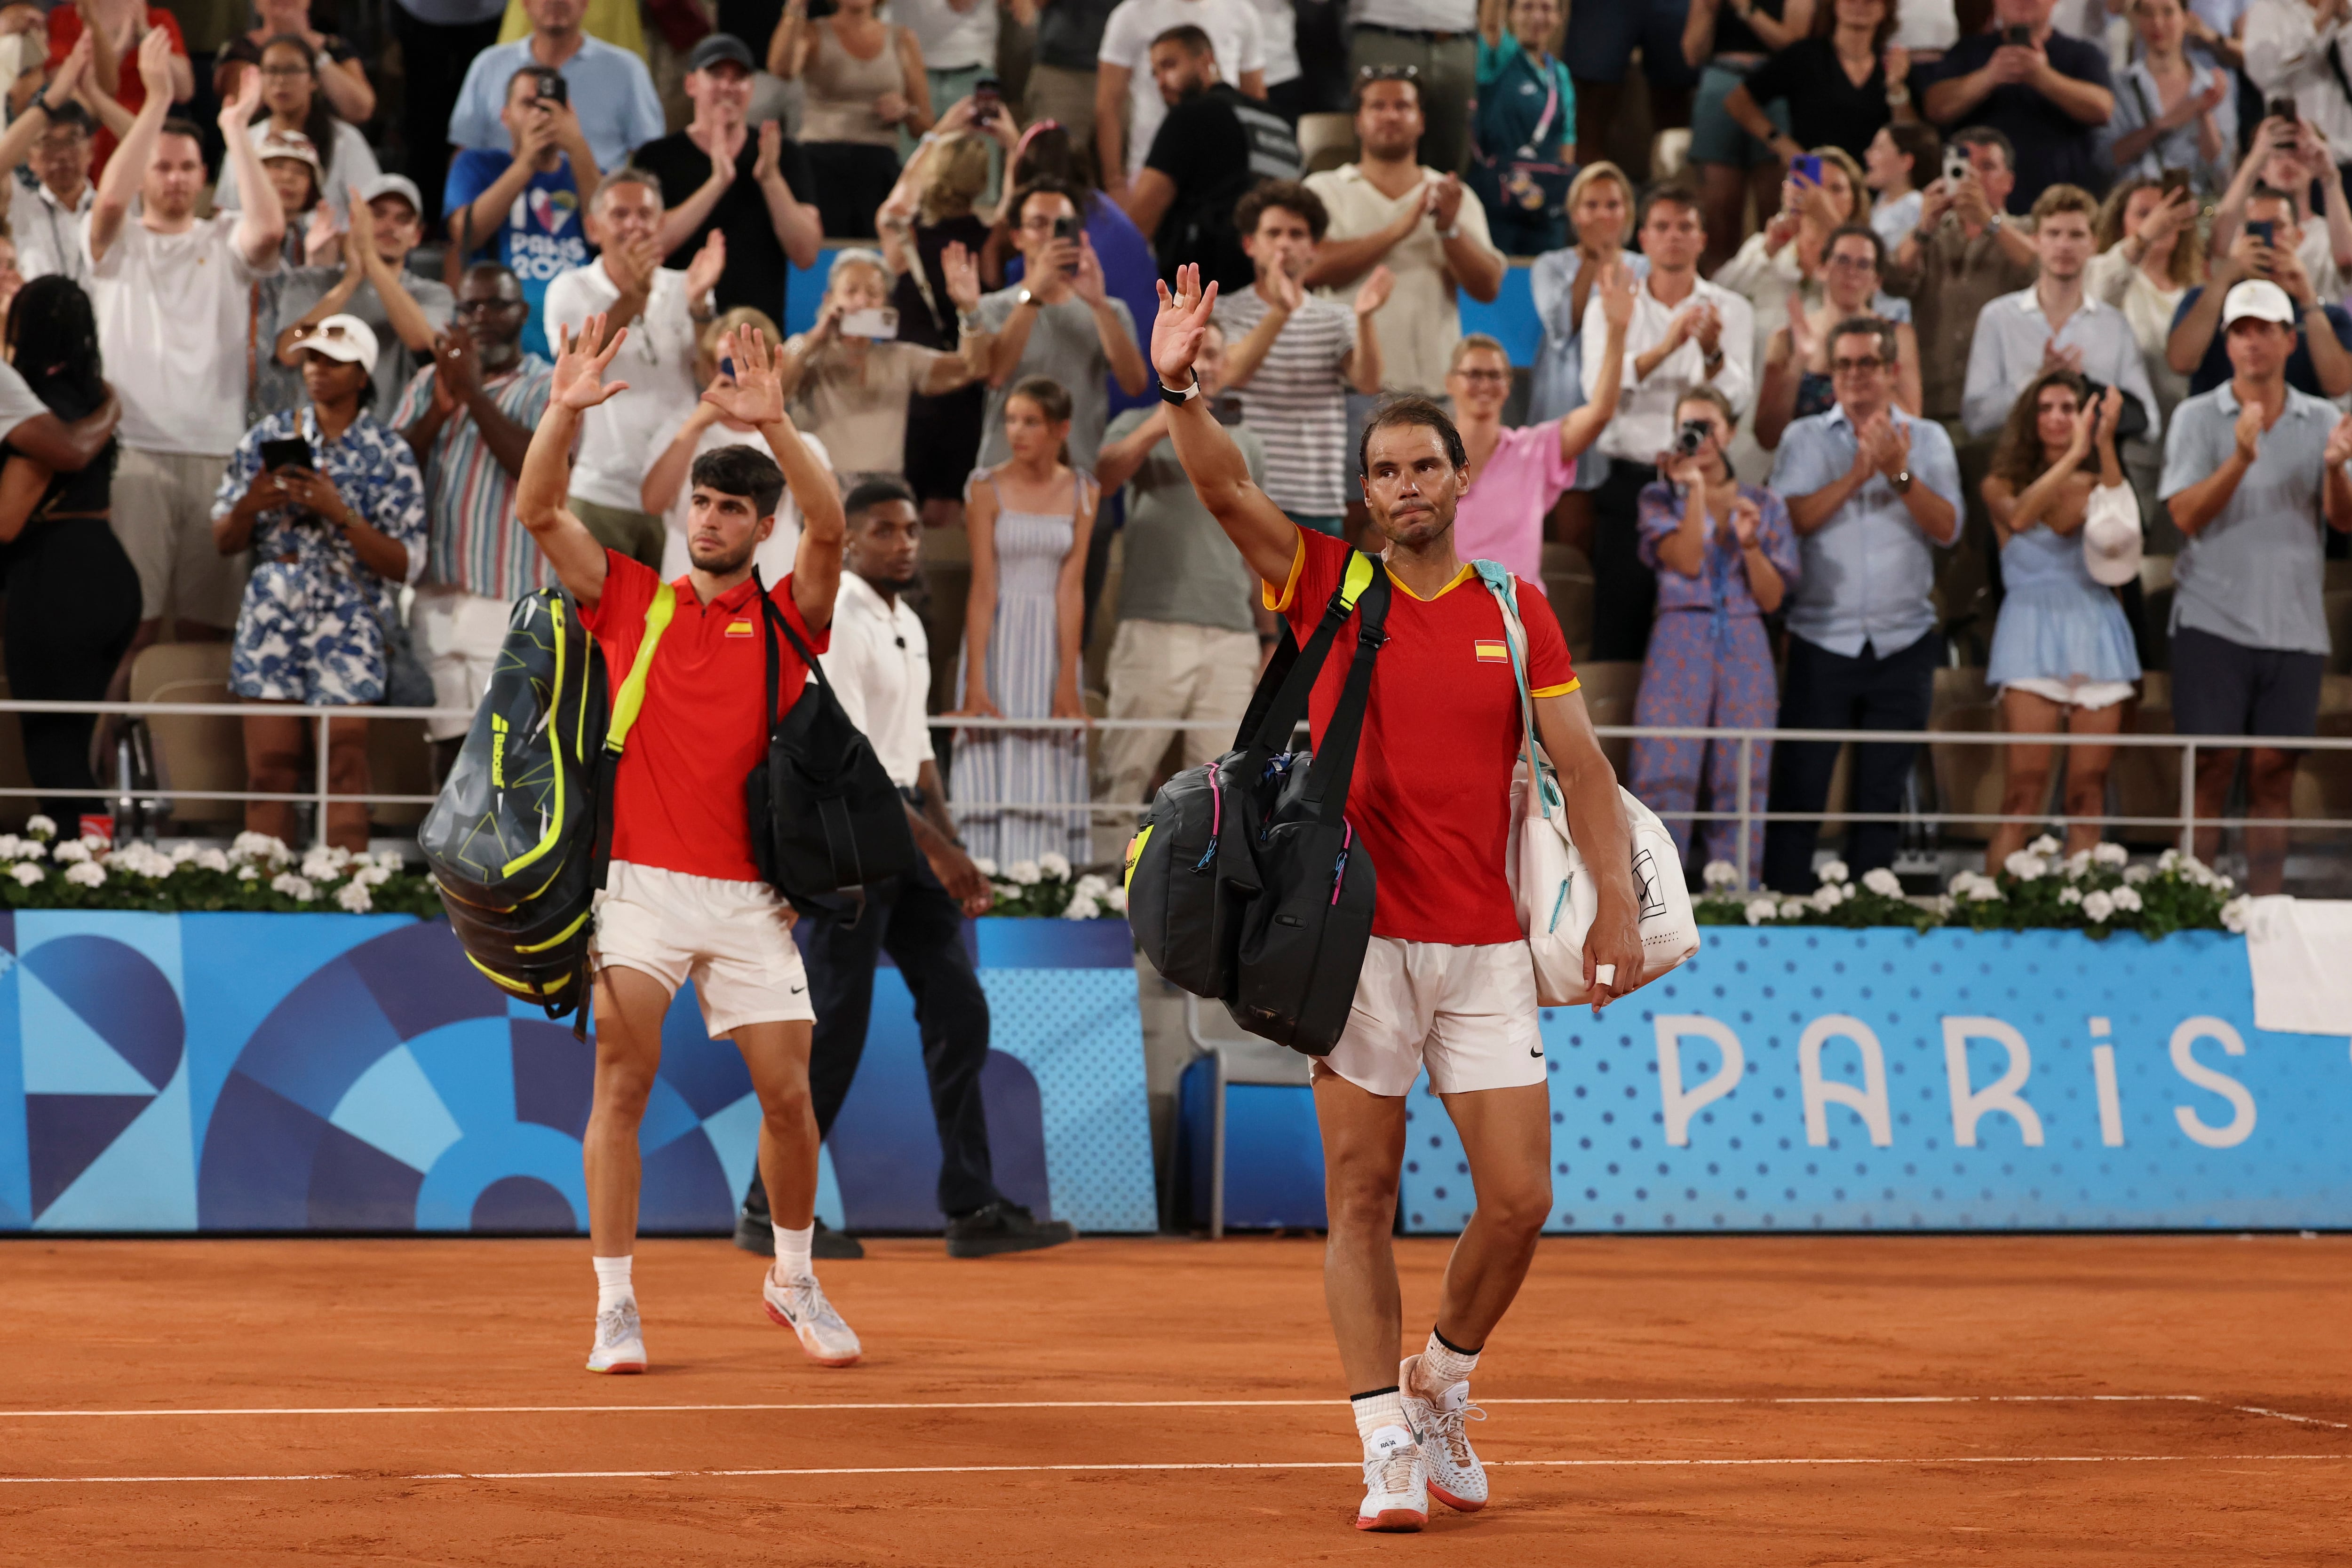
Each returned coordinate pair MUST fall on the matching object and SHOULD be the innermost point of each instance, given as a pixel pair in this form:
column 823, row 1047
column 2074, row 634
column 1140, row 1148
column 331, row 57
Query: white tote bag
column 1557, row 901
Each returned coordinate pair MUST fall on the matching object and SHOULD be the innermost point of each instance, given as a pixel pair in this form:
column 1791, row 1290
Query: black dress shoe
column 756, row 1233
column 1003, row 1227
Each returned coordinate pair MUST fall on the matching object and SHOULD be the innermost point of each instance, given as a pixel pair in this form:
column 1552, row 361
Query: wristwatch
column 1025, row 297
column 1992, row 224
column 1171, row 395
column 1902, row 481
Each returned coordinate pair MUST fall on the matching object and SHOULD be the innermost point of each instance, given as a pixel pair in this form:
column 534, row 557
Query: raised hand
column 2054, row 357
column 320, row 239
column 1745, row 521
column 1893, row 446
column 1182, row 321
column 155, row 74
column 1898, row 64
column 461, row 364
column 1804, row 343
column 579, row 382
column 1615, row 286
column 1375, row 290
column 755, row 397
column 1445, row 199
column 961, row 269
column 1089, row 284
column 362, row 231
column 722, row 168
column 2248, row 430
column 1289, row 294
column 2339, row 443
column 767, row 162
column 703, row 272
column 65, row 80
column 2111, row 414
column 1707, row 328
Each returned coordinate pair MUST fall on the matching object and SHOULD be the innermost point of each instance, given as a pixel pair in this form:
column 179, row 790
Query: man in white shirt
column 2055, row 323
column 2294, row 49
column 53, row 133
column 958, row 38
column 663, row 310
column 173, row 313
column 879, row 665
column 1123, row 73
column 1686, row 333
column 1438, row 40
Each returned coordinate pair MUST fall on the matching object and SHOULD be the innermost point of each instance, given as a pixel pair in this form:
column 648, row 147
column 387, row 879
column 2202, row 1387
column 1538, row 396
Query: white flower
column 11, row 846
column 97, row 843
column 2044, row 845
column 1054, row 865
column 1834, row 871
column 2222, row 884
column 185, row 851
column 1026, row 873
column 260, row 847
column 2098, row 908
column 26, row 873
column 1795, row 909
column 2078, row 863
column 2168, row 860
column 2025, row 865
column 297, row 888
column 1092, row 885
column 320, row 867
column 984, row 865
column 2136, row 874
column 32, row 849
column 85, row 873
column 2069, row 894
column 373, row 874
column 1082, row 908
column 353, row 895
column 2127, row 899
column 1829, row 895
column 39, row 827
column 211, row 860
column 1116, row 899
column 2233, row 914
column 1973, row 887
column 1721, row 873
column 1882, row 882
column 2109, row 854
column 1760, row 910
column 73, row 851
column 248, row 872
column 136, row 858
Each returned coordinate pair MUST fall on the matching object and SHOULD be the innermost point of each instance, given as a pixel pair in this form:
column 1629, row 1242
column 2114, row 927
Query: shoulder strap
column 1280, row 700
column 1335, row 763
column 782, row 622
column 630, row 700
column 1505, row 589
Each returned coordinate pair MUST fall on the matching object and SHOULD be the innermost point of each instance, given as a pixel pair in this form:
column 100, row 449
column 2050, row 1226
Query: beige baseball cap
column 2260, row 298
column 344, row 338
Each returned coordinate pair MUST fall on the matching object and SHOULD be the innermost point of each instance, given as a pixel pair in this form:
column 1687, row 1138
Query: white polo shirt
column 880, row 667
column 656, row 359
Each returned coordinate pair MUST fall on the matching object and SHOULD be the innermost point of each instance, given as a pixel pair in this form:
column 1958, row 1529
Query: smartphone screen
column 554, row 89
column 1067, row 228
column 1805, row 168
column 2018, row 34
column 292, row 453
column 2264, row 229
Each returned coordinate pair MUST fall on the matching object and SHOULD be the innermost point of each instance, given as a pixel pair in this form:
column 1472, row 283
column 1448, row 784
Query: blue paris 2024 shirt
column 541, row 237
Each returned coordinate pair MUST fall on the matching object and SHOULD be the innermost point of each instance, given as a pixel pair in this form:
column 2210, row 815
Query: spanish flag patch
column 740, row 629
column 1492, row 651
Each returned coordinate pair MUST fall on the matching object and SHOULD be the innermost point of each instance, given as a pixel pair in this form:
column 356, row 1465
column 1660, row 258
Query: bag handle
column 630, row 700
column 1280, row 700
column 1505, row 589
column 1327, row 784
column 770, row 613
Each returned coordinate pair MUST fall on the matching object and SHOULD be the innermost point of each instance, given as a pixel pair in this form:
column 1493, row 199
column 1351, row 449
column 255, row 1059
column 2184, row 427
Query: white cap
column 2111, row 535
column 2259, row 299
column 344, row 338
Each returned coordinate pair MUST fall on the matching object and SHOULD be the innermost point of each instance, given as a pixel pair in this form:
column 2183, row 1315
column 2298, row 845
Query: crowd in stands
column 1934, row 316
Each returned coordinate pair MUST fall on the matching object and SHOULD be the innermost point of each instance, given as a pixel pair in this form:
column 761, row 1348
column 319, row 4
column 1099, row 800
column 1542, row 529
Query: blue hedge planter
column 164, row 1073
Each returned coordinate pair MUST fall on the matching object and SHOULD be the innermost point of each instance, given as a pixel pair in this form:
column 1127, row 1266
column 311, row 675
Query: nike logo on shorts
column 1536, row 1051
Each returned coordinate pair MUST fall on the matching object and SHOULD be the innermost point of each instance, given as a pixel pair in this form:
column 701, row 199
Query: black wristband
column 1168, row 394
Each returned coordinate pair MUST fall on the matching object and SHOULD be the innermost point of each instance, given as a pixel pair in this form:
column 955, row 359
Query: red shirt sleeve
column 618, row 619
column 1549, row 673
column 1314, row 573
column 818, row 642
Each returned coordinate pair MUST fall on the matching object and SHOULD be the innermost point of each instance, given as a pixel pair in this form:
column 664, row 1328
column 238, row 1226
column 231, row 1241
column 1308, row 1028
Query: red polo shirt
column 679, row 800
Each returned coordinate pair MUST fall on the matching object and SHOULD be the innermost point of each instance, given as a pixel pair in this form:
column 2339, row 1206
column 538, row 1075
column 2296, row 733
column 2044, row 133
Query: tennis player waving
column 1447, row 983
column 683, row 898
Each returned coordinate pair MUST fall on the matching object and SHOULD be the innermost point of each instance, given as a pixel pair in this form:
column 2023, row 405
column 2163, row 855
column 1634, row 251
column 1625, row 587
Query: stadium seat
column 193, row 751
column 1611, row 686
column 1326, row 140
column 1568, row 583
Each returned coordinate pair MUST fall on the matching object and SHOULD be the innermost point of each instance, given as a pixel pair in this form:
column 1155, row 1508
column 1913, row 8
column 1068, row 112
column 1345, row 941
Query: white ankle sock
column 1443, row 1366
column 1374, row 1411
column 613, row 1281
column 792, row 1250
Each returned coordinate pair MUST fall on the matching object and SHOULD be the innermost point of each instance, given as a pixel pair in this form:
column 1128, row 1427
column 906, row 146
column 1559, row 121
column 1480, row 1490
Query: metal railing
column 1746, row 810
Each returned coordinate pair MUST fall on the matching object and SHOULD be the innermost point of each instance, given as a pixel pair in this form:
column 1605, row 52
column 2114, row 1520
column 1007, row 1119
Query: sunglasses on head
column 1388, row 73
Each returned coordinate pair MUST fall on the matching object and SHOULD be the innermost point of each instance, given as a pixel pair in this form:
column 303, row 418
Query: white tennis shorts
column 732, row 939
column 1468, row 1014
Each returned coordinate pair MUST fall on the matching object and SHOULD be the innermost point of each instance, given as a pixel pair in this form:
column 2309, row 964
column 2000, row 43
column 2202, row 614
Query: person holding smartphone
column 331, row 503
column 2173, row 111
column 2291, row 49
column 2051, row 95
column 525, row 208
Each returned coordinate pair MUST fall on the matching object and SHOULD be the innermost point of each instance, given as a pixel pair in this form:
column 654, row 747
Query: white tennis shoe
column 800, row 1306
column 1456, row 1478
column 620, row 1343
column 1396, row 1482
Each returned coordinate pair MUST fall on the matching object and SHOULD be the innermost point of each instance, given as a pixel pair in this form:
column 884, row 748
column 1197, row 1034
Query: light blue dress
column 1556, row 387
column 1024, row 657
column 2056, row 624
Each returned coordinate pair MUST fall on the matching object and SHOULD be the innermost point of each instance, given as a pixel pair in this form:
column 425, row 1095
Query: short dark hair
column 1858, row 231
column 630, row 174
column 1044, row 186
column 741, row 471
column 178, row 126
column 1917, row 140
column 1404, row 411
column 1669, row 195
column 539, row 73
column 1195, row 41
column 1369, row 76
column 1291, row 197
column 2265, row 192
column 869, row 494
column 1986, row 136
column 73, row 115
column 1873, row 327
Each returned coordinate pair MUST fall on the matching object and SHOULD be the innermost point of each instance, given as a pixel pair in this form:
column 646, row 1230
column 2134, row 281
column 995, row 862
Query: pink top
column 1502, row 518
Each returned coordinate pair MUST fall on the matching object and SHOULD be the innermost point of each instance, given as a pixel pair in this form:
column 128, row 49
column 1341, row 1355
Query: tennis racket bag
column 1190, row 868
column 1304, row 930
column 518, row 840
column 826, row 817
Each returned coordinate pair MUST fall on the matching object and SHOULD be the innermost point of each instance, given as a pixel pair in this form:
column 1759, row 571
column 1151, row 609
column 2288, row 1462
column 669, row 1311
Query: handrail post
column 2189, row 798
column 1747, row 761
column 318, row 827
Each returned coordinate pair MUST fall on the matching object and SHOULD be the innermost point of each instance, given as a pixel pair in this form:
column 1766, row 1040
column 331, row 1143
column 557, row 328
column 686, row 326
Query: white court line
column 2306, row 1420
column 1298, row 1465
column 1120, row 1405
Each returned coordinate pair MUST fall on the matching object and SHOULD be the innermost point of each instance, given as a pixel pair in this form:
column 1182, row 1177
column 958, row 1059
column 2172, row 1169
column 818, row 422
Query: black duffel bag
column 1191, row 869
column 825, row 818
column 1304, row 934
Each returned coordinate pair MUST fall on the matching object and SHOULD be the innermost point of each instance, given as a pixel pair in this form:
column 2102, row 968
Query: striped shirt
column 475, row 542
column 1298, row 401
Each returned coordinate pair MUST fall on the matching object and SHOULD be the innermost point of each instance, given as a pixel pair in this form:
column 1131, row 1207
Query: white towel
column 2300, row 951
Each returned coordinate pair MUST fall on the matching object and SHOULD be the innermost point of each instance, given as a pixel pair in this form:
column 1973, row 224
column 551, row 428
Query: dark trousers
column 435, row 57
column 1828, row 691
column 912, row 919
column 73, row 606
column 1625, row 590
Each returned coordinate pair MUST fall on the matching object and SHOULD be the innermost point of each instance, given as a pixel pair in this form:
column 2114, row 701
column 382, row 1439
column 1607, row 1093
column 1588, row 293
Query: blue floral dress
column 312, row 627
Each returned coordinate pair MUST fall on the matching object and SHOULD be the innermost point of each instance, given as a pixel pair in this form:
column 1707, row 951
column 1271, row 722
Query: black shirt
column 2053, row 146
column 1825, row 108
column 1734, row 36
column 757, row 266
column 1213, row 148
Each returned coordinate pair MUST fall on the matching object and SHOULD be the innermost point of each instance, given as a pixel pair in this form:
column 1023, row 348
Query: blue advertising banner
column 162, row 1073
column 1880, row 1080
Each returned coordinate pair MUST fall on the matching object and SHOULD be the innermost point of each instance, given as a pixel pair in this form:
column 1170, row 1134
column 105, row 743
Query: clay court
column 1718, row 1401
